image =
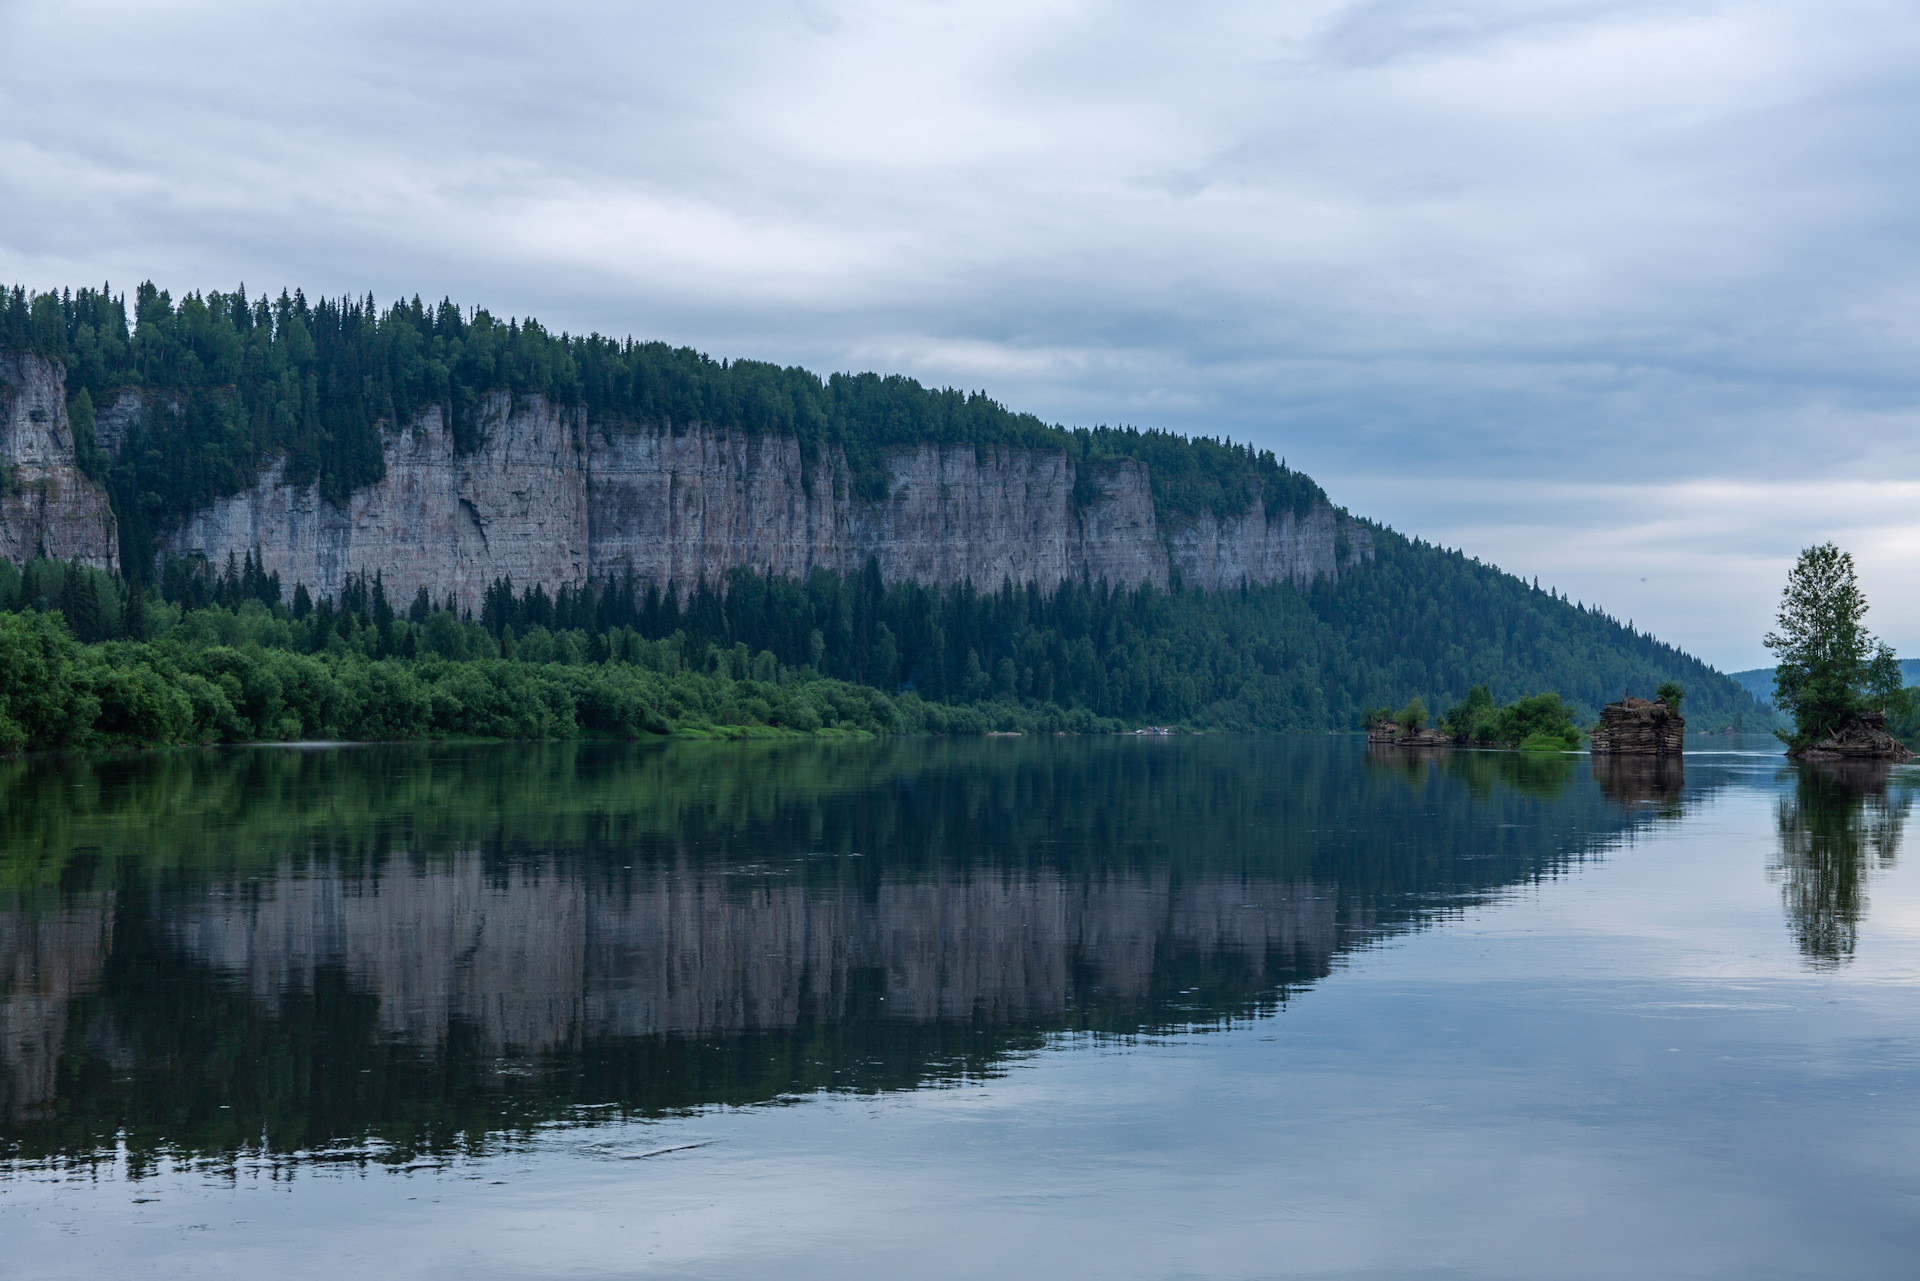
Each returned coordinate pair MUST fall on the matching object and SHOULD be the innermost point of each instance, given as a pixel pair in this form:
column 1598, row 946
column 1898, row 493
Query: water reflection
column 401, row 950
column 1653, row 782
column 1479, row 771
column 1838, row 825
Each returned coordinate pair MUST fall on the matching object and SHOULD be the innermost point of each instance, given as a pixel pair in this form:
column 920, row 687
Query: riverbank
column 193, row 686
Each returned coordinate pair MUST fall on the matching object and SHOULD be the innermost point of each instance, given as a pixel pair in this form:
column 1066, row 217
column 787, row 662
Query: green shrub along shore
column 221, row 656
column 1537, row 723
column 236, row 676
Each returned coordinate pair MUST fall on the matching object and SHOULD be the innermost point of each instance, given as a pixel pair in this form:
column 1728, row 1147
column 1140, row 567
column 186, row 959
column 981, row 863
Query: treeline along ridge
column 244, row 382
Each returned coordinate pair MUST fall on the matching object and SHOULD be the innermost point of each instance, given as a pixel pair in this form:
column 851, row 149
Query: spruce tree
column 1822, row 652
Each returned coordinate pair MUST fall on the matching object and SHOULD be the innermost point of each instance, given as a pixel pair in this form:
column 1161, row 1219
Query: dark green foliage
column 1473, row 717
column 1269, row 658
column 1416, row 622
column 1903, row 716
column 230, row 384
column 1542, row 722
column 1413, row 716
column 41, row 704
column 1671, row 693
column 1830, row 668
column 1539, row 722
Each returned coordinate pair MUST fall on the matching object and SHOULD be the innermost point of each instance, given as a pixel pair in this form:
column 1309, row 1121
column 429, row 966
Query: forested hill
column 250, row 381
column 317, row 382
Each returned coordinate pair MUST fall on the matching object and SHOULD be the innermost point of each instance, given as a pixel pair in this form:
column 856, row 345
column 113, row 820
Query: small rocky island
column 1397, row 735
column 1861, row 737
column 1639, row 727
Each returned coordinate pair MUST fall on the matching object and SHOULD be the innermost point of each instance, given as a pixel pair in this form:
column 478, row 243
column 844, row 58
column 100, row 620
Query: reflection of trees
column 213, row 952
column 1539, row 775
column 1838, row 827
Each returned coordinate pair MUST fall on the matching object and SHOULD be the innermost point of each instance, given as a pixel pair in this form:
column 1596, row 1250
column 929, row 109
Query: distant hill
column 1758, row 681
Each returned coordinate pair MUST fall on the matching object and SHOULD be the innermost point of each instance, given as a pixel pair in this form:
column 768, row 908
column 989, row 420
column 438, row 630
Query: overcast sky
column 1622, row 295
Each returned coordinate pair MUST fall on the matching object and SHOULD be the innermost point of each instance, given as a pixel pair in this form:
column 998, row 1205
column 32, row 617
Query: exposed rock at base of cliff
column 1859, row 738
column 1639, row 727
column 48, row 506
column 549, row 497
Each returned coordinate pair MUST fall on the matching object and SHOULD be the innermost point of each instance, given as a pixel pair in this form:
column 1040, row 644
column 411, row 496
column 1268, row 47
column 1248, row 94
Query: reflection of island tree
column 1838, row 827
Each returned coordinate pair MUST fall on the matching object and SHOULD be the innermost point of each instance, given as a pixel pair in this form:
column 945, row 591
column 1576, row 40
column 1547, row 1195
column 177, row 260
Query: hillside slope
column 899, row 536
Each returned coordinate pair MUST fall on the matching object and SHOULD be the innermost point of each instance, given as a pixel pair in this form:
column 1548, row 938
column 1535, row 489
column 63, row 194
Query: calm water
column 1212, row 1007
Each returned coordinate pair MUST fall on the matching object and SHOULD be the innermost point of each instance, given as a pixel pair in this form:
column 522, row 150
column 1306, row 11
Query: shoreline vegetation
column 1537, row 723
column 89, row 659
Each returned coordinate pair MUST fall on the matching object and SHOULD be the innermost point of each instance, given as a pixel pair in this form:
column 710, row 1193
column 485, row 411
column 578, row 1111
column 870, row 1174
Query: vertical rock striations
column 1639, row 727
column 48, row 506
column 549, row 498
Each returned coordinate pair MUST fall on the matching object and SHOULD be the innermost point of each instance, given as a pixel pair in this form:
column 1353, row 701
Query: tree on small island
column 1830, row 671
column 1671, row 694
column 1541, row 723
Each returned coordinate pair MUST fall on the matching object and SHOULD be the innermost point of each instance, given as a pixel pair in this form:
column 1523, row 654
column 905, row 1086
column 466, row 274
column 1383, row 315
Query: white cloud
column 1537, row 244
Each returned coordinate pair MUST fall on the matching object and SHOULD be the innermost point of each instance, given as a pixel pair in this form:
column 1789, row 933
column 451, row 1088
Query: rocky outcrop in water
column 550, row 497
column 1639, row 727
column 1860, row 738
column 1393, row 734
column 48, row 506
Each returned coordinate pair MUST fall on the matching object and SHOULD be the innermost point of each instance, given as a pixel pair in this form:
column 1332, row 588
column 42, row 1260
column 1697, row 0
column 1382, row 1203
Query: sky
column 1618, row 295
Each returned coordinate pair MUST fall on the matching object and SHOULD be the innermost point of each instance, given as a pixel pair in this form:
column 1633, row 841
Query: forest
column 232, row 383
column 831, row 653
column 236, row 383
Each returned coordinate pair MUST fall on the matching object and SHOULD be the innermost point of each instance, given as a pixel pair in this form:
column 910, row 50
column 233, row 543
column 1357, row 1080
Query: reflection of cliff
column 1641, row 780
column 46, row 959
column 533, row 962
column 1838, row 827
column 424, row 946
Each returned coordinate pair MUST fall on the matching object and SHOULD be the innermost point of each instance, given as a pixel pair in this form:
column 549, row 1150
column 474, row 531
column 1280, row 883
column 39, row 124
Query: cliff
column 48, row 506
column 550, row 497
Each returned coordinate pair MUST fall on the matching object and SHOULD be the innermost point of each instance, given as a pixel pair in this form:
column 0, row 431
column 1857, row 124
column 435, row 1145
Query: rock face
column 1392, row 734
column 1639, row 727
column 1861, row 738
column 48, row 506
column 447, row 522
column 550, row 497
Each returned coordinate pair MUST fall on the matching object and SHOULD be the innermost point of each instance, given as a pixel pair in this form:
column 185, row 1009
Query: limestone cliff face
column 448, row 522
column 48, row 506
column 551, row 498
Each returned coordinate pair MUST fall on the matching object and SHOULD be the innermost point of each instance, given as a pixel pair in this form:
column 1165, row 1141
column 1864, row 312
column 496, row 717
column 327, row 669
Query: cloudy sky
column 1618, row 294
